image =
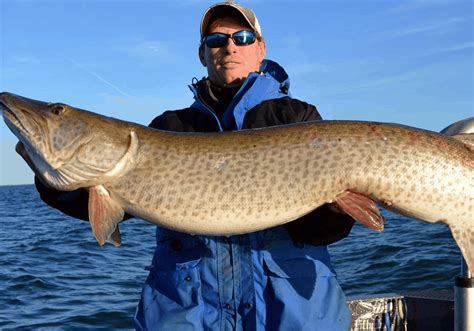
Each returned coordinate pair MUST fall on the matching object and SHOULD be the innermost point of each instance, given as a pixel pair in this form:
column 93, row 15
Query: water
column 53, row 275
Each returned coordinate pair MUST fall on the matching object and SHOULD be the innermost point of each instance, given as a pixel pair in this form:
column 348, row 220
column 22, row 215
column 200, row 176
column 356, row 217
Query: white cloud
column 99, row 77
column 380, row 83
column 415, row 5
column 25, row 59
column 189, row 3
column 297, row 69
column 150, row 49
column 441, row 27
column 452, row 48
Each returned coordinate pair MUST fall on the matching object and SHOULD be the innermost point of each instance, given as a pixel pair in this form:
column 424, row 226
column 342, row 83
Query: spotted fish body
column 240, row 182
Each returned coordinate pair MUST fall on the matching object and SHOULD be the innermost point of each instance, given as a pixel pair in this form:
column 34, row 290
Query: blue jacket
column 259, row 281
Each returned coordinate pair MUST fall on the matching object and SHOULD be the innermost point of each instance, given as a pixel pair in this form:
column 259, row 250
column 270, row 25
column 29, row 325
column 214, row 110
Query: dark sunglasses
column 240, row 38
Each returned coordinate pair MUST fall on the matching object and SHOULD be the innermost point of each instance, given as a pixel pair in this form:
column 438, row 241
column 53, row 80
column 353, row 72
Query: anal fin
column 361, row 208
column 464, row 237
column 104, row 216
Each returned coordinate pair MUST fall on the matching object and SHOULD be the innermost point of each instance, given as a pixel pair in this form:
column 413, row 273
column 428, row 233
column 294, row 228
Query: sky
column 407, row 62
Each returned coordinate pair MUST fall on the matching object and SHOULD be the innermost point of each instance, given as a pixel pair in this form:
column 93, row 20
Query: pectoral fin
column 104, row 216
column 464, row 237
column 361, row 208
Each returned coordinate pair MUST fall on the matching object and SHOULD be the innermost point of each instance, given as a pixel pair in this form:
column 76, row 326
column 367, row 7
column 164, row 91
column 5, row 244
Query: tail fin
column 464, row 237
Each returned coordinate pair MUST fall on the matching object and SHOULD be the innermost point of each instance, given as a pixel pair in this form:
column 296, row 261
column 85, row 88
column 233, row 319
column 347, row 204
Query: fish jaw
column 24, row 118
column 38, row 125
column 63, row 145
column 25, row 122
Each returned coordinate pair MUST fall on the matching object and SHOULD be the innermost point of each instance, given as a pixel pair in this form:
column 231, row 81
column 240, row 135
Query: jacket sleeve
column 73, row 203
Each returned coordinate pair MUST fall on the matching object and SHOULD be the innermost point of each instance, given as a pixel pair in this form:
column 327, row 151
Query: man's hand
column 333, row 207
column 20, row 149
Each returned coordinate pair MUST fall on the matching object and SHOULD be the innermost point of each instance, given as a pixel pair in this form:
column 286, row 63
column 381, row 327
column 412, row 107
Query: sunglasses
column 240, row 38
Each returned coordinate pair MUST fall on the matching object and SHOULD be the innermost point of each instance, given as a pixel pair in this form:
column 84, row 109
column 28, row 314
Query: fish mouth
column 13, row 122
column 21, row 121
column 24, row 118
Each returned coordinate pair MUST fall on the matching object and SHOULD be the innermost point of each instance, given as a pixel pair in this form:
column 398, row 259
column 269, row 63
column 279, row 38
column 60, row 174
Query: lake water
column 53, row 275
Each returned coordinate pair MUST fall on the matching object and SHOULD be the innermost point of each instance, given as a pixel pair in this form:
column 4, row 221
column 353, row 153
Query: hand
column 334, row 208
column 20, row 149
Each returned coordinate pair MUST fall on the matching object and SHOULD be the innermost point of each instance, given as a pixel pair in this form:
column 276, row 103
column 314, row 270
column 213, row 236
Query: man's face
column 230, row 65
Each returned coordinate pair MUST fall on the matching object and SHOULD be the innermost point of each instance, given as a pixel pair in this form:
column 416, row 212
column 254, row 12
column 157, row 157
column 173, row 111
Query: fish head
column 69, row 147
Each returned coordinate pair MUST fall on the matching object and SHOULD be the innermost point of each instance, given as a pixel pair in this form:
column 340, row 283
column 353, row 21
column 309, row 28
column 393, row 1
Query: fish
column 228, row 183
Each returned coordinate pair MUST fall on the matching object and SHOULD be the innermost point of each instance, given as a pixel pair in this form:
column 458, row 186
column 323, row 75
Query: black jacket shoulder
column 279, row 112
column 268, row 113
column 185, row 120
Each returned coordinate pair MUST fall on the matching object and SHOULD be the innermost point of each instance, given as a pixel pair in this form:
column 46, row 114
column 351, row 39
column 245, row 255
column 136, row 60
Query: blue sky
column 408, row 62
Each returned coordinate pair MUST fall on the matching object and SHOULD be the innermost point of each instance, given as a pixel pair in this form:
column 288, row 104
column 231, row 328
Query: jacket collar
column 271, row 82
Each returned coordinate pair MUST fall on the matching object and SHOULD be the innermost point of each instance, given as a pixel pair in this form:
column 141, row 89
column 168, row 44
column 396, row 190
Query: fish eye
column 58, row 109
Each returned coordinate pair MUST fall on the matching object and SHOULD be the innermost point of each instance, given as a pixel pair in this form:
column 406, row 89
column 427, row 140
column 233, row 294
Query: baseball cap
column 214, row 10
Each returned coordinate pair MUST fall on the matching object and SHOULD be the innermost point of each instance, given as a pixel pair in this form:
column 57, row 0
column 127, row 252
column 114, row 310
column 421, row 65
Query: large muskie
column 238, row 182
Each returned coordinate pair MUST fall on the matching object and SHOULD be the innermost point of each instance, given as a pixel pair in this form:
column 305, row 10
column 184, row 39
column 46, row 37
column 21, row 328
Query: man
column 276, row 279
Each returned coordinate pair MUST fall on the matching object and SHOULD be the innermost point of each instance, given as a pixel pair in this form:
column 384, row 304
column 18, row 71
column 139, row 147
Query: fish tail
column 464, row 237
